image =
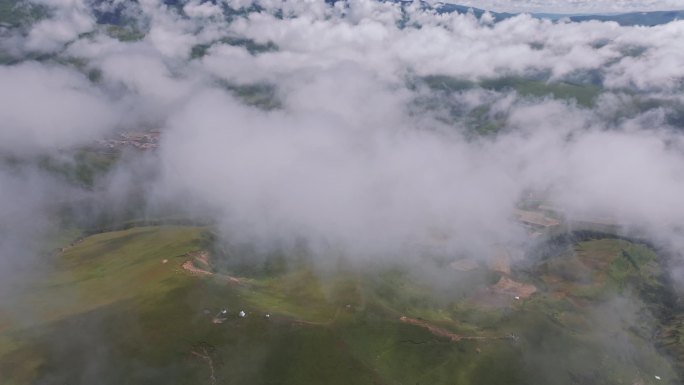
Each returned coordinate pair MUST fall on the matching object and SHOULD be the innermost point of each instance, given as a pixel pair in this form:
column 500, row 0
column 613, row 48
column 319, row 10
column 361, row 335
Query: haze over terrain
column 366, row 131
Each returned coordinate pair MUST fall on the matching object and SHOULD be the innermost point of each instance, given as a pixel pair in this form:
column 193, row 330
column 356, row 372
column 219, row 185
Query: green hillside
column 138, row 306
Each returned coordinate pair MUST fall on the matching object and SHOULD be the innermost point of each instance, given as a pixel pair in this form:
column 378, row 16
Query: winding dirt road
column 439, row 332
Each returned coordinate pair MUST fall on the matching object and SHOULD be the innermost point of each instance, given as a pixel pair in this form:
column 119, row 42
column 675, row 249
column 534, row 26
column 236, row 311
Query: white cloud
column 353, row 150
column 70, row 18
column 277, row 177
column 49, row 107
column 197, row 9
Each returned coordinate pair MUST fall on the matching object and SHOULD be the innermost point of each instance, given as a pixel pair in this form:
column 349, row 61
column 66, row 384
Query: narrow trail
column 440, row 332
column 326, row 323
column 204, row 355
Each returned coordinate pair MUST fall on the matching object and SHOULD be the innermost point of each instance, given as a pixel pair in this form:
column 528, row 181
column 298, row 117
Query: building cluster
column 139, row 140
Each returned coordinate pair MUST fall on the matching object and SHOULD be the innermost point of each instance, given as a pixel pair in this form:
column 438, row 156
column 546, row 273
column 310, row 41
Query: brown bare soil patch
column 189, row 266
column 508, row 286
column 199, row 264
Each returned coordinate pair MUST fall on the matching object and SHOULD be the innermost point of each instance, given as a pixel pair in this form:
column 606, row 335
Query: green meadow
column 119, row 308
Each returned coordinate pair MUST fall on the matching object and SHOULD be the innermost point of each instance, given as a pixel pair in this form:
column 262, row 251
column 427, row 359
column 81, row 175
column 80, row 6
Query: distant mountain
column 635, row 18
column 450, row 8
column 112, row 14
column 624, row 19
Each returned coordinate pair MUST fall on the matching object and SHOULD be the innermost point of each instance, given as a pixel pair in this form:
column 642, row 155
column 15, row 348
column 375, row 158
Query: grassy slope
column 482, row 120
column 14, row 13
column 114, row 313
column 85, row 167
column 598, row 293
column 584, row 95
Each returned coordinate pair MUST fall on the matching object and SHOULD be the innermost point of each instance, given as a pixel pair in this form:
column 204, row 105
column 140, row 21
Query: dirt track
column 204, row 355
column 326, row 323
column 436, row 330
column 190, row 266
column 198, row 264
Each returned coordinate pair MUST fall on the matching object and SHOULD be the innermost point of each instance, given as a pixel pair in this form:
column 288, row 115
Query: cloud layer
column 368, row 127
